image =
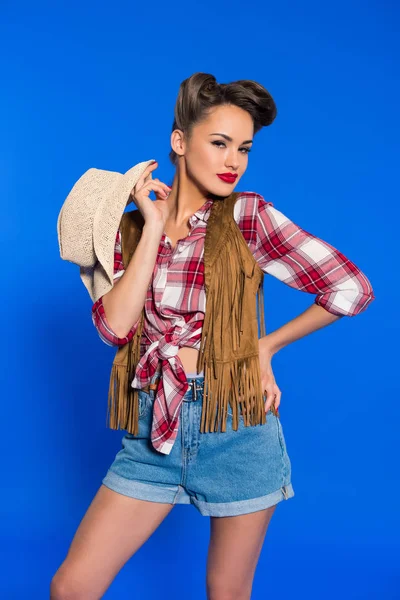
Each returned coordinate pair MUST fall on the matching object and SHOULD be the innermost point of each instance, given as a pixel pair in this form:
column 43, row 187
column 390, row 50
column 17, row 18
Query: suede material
column 229, row 354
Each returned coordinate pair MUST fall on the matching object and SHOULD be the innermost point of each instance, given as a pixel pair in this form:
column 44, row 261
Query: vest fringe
column 236, row 382
column 260, row 298
column 228, row 352
column 244, row 397
column 123, row 399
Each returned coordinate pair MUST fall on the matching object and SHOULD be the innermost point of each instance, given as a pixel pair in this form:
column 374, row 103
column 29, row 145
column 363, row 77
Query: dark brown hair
column 200, row 92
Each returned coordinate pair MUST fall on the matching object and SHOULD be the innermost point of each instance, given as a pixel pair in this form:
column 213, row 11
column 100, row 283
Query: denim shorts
column 221, row 473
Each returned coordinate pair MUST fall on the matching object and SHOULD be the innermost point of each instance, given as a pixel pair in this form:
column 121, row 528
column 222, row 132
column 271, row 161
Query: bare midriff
column 188, row 357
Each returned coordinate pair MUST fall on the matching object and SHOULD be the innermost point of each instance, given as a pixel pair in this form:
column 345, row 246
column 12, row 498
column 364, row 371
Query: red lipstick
column 228, row 177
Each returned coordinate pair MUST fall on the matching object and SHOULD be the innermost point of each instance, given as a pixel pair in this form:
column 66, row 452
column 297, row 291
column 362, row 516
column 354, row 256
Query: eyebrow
column 230, row 139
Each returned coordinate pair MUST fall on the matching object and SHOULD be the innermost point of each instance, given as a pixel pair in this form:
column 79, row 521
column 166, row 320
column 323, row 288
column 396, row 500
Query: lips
column 228, row 178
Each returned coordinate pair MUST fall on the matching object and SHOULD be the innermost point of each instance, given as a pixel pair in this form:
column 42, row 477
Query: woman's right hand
column 153, row 211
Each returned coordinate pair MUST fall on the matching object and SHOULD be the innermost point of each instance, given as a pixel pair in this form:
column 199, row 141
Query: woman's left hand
column 268, row 383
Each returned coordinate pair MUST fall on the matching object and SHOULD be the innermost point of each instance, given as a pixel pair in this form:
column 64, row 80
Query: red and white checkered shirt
column 175, row 303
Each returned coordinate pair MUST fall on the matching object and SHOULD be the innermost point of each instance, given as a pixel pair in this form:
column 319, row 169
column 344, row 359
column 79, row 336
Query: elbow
column 120, row 336
column 124, row 339
column 107, row 341
column 345, row 303
column 110, row 337
column 365, row 301
column 107, row 334
column 114, row 336
column 364, row 294
column 349, row 297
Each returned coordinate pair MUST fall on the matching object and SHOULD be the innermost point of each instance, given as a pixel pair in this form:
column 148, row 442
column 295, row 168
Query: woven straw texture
column 88, row 222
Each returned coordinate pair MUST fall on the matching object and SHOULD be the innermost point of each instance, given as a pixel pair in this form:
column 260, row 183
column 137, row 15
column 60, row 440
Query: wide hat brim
column 88, row 222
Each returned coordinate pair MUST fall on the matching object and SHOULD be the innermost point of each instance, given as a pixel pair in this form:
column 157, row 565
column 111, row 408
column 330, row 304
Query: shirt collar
column 204, row 211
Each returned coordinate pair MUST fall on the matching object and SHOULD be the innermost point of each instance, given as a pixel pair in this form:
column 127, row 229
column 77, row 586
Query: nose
column 232, row 161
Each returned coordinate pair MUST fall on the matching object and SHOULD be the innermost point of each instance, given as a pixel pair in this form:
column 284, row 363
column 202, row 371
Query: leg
column 113, row 528
column 234, row 549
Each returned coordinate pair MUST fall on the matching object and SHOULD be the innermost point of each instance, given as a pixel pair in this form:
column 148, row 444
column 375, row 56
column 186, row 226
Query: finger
column 146, row 175
column 166, row 187
column 146, row 189
column 156, row 188
column 275, row 404
column 270, row 392
column 162, row 182
column 161, row 185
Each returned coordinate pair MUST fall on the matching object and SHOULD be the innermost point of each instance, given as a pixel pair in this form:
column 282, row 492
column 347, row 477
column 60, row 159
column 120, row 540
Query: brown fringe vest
column 229, row 342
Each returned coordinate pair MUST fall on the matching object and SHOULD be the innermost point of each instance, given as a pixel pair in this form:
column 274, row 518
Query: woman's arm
column 116, row 315
column 313, row 318
column 307, row 263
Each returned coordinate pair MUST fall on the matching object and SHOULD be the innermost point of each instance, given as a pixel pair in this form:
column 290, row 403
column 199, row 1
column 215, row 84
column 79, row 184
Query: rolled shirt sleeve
column 107, row 335
column 309, row 264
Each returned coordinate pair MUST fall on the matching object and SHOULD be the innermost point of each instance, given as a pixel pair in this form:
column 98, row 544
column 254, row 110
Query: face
column 218, row 145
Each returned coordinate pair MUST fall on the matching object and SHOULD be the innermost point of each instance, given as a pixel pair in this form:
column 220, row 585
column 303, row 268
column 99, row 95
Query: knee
column 62, row 588
column 58, row 588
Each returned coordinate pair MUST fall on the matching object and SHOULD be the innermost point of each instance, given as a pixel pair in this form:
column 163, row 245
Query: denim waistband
column 189, row 376
column 195, row 389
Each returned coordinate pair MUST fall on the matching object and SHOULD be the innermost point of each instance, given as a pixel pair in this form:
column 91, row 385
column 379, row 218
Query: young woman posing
column 236, row 476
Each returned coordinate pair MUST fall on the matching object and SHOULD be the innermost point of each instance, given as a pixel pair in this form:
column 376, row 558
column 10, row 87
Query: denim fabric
column 221, row 473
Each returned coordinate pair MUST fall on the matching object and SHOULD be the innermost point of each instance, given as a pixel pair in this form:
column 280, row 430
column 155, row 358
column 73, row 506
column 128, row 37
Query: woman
column 161, row 466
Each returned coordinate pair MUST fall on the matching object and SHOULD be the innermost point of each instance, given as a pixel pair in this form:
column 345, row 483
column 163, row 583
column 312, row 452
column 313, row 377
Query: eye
column 245, row 148
column 216, row 143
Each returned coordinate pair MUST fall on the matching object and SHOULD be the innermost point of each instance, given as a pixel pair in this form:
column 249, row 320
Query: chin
column 221, row 191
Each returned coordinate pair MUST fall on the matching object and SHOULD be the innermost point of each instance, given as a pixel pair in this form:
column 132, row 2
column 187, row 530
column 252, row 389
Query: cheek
column 204, row 162
column 243, row 164
column 208, row 155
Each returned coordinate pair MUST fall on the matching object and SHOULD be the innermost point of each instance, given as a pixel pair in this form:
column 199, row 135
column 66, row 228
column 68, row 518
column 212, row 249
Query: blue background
column 94, row 85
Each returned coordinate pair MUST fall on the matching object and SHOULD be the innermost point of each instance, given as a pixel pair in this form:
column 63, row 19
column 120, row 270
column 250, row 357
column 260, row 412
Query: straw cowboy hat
column 88, row 222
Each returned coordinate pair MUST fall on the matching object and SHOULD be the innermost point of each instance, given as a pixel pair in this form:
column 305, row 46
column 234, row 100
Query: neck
column 184, row 199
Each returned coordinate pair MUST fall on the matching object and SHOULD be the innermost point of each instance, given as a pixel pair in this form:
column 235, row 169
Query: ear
column 178, row 142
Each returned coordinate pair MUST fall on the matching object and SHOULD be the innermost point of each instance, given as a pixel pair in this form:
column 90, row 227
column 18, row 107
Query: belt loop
column 194, row 390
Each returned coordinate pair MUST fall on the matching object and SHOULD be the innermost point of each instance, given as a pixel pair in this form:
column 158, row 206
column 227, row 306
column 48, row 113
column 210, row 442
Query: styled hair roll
column 200, row 93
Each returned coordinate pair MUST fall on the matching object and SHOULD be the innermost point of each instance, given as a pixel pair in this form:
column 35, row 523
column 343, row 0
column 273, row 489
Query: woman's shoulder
column 248, row 204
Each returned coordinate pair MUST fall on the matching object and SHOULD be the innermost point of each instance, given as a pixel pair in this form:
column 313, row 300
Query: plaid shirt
column 175, row 303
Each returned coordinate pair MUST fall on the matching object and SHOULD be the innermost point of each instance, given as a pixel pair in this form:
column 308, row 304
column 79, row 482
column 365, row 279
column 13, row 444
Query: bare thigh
column 113, row 529
column 233, row 553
